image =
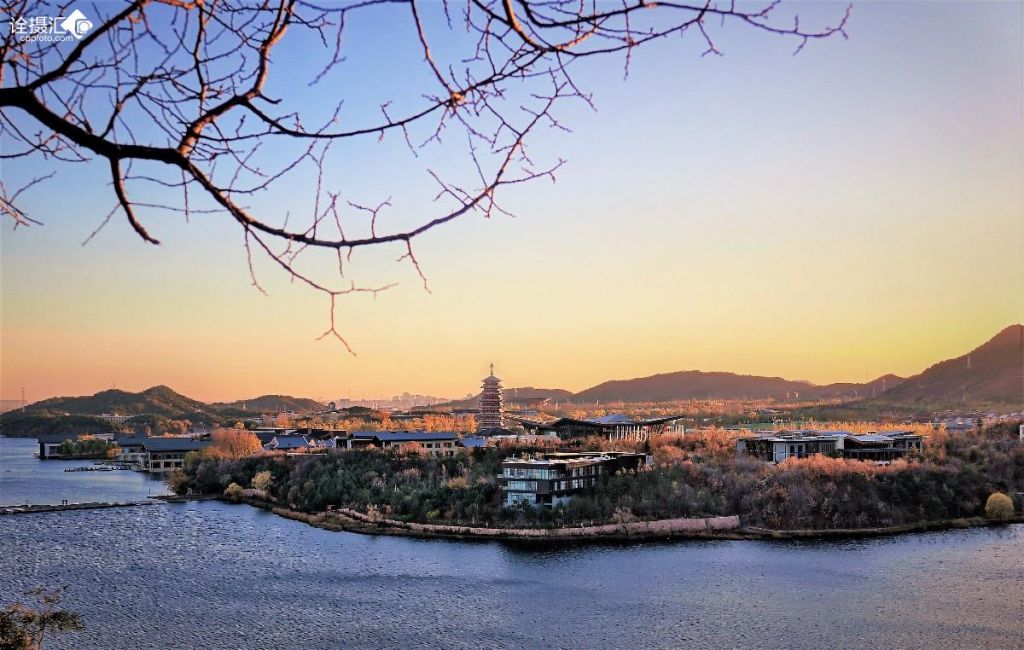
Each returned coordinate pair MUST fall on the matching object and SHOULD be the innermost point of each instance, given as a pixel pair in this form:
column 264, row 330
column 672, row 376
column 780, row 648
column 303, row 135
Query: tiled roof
column 414, row 436
column 174, row 444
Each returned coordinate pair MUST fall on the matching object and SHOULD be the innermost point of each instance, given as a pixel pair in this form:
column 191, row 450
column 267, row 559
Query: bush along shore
column 696, row 487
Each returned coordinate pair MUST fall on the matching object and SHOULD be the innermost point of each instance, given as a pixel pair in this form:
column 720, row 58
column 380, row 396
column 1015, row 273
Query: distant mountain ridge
column 991, row 373
column 695, row 384
column 158, row 400
column 163, row 401
column 271, row 404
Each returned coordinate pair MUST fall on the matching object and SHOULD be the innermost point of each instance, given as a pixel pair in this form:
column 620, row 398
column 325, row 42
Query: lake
column 214, row 575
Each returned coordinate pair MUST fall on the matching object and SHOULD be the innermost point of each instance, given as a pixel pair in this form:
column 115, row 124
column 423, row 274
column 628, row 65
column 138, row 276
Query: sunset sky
column 832, row 216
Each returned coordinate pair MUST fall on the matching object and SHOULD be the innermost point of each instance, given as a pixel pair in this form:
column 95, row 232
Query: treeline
column 87, row 447
column 692, row 476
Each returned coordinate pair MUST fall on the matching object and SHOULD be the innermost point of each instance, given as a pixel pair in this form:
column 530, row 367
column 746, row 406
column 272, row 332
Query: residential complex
column 552, row 479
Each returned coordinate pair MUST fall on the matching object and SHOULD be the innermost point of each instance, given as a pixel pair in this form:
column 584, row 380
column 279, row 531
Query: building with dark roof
column 614, row 427
column 50, row 444
column 552, row 479
column 437, row 443
column 288, row 443
column 158, row 455
column 777, row 446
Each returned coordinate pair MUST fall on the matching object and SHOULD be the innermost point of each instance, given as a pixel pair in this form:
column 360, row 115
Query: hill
column 992, row 373
column 852, row 391
column 270, row 404
column 694, row 384
column 158, row 400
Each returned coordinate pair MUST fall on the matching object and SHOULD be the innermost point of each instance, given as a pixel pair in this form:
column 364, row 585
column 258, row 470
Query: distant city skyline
column 841, row 214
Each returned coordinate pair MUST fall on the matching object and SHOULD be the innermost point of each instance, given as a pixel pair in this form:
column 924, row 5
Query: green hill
column 158, row 400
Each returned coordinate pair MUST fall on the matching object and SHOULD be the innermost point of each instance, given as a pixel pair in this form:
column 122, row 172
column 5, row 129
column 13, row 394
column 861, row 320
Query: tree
column 24, row 627
column 262, row 480
column 233, row 491
column 999, row 507
column 175, row 95
column 234, row 443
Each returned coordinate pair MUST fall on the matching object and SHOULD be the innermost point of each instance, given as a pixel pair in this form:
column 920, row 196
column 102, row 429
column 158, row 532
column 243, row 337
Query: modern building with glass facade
column 552, row 479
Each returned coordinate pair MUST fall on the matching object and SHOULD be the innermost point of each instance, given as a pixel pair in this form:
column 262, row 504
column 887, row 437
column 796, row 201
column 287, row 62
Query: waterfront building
column 613, row 427
column 50, row 444
column 491, row 413
column 157, row 455
column 552, row 479
column 777, row 446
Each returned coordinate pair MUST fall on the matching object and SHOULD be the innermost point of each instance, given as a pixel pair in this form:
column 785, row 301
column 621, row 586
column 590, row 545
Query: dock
column 92, row 505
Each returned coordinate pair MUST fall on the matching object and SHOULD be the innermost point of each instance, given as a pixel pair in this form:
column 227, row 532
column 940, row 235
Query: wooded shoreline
column 707, row 528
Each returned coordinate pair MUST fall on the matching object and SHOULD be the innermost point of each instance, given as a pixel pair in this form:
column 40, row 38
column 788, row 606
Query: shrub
column 999, row 507
column 233, row 491
column 262, row 480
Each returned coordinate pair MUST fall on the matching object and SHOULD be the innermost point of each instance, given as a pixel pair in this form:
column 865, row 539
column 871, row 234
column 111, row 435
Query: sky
column 840, row 214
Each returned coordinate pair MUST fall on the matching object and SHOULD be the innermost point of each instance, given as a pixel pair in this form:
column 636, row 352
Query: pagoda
column 490, row 403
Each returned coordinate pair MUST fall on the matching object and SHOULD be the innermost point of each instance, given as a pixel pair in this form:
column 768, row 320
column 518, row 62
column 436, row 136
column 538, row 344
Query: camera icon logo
column 76, row 24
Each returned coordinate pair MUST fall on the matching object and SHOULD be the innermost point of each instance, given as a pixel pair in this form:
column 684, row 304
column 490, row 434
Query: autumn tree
column 25, row 626
column 182, row 100
column 999, row 507
column 262, row 480
column 233, row 443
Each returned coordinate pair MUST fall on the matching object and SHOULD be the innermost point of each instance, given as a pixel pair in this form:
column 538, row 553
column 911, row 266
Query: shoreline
column 711, row 528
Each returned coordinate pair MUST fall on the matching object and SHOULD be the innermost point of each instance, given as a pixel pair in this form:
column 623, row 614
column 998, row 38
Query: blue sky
column 849, row 211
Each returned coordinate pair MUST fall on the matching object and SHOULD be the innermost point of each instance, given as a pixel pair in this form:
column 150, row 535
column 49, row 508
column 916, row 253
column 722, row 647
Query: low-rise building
column 613, row 427
column 552, row 479
column 50, row 444
column 437, row 443
column 288, row 443
column 777, row 446
column 158, row 455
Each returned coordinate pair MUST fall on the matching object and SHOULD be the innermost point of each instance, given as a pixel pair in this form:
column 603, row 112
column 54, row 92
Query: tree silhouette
column 172, row 94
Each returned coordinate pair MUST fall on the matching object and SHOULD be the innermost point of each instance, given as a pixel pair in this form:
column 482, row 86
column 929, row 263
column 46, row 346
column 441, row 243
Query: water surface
column 214, row 575
column 26, row 479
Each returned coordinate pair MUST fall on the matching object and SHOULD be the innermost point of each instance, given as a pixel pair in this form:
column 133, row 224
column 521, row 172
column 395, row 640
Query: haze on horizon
column 845, row 213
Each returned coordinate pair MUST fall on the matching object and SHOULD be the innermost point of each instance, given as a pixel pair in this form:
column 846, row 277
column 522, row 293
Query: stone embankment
column 92, row 505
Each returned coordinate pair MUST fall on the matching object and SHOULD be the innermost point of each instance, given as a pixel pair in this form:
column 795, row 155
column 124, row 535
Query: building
column 112, row 418
column 158, row 455
column 614, row 427
column 491, row 414
column 777, row 446
column 50, row 444
column 436, row 443
column 288, row 443
column 552, row 479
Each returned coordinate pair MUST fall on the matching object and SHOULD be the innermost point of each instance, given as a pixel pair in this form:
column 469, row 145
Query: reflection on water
column 228, row 576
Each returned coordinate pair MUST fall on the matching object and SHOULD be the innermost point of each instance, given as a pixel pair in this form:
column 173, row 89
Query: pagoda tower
column 490, row 403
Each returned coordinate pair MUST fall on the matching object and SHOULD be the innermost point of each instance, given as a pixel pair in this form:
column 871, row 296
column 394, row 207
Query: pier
column 93, row 505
